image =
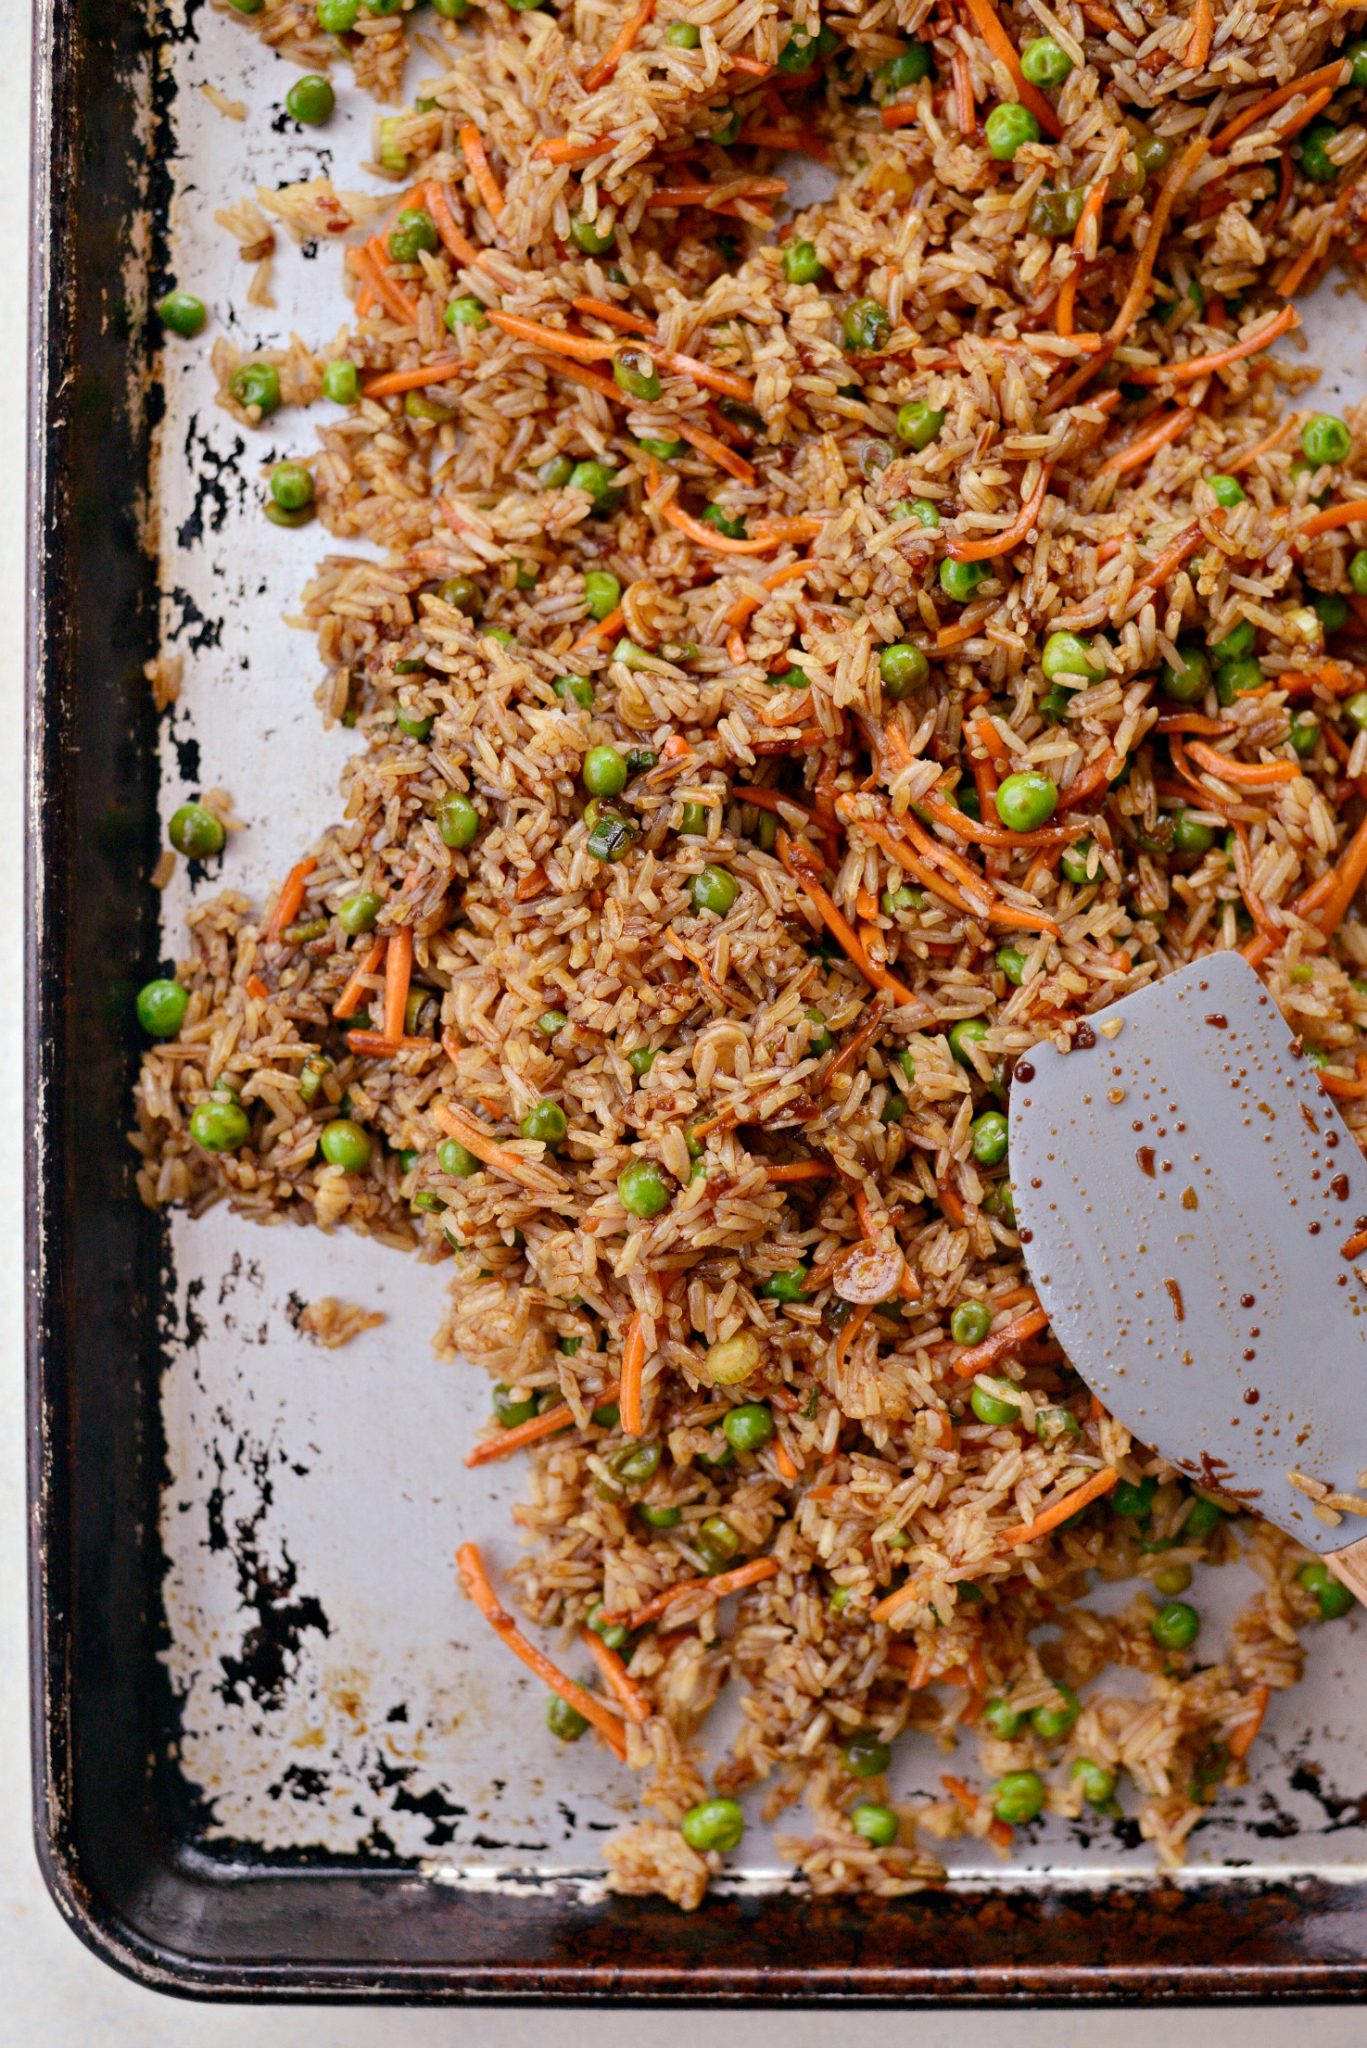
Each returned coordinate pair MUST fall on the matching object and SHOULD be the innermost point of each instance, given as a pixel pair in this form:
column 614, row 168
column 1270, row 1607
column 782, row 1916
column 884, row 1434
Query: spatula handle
column 1350, row 1565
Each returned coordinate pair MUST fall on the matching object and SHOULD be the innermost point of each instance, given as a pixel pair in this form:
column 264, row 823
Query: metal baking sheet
column 280, row 1519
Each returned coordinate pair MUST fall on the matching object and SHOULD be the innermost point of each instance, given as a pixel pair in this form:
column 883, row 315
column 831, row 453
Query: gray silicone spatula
column 1189, row 1200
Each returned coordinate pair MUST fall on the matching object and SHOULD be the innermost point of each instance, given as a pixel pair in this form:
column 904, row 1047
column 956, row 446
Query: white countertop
column 52, row 1992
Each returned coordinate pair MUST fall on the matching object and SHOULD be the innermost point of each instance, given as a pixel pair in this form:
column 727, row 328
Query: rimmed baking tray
column 272, row 1757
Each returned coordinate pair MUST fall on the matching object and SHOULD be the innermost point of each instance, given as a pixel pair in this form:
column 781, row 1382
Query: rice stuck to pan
column 817, row 656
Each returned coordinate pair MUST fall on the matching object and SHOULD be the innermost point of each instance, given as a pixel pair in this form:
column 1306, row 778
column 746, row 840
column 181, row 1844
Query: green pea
column 714, row 515
column 311, row 100
column 453, row 1158
column 1045, row 62
column 1174, row 1578
column 1357, row 572
column 989, row 1409
column 641, row 1060
column 161, row 1008
column 713, row 1825
column 511, row 1412
column 555, row 472
column 311, row 1075
column 657, row 1517
column 1228, row 490
column 642, row 1188
column 602, row 593
column 801, row 263
column 1057, row 213
column 1011, row 961
column 466, row 311
column 1355, row 710
column 546, row 1121
column 1051, row 1724
column 247, row 6
column 727, row 132
column 598, row 480
column 1133, row 1501
column 359, row 912
column 1317, row 163
column 1067, row 654
column 1026, row 800
column 196, row 831
column 636, row 1464
column 970, row 1322
column 1096, row 1780
column 683, row 35
column 1190, row 838
column 717, row 1541
column 714, row 889
column 1054, row 1426
column 610, row 837
column 1356, row 53
column 1203, row 1519
column 341, row 382
column 1008, row 127
column 1234, row 678
column 1019, row 1797
column 451, row 10
column 903, row 668
column 920, row 509
column 183, row 313
column 919, row 424
column 1325, row 438
column 1333, row 1597
column 565, row 1722
column 967, row 1032
column 663, row 451
column 635, row 373
column 1175, row 1626
column 819, row 1039
column 256, row 386
column 787, row 1287
column 347, row 1144
column 866, row 324
column 908, row 67
column 457, row 819
column 291, row 486
column 1001, row 1201
column 220, row 1126
column 590, row 236
column 577, row 688
column 875, row 1824
column 749, row 1427
column 1330, row 609
column 865, row 1756
column 1004, row 1720
column 1185, row 684
column 550, row 1022
column 604, row 772
column 989, row 1138
column 959, row 580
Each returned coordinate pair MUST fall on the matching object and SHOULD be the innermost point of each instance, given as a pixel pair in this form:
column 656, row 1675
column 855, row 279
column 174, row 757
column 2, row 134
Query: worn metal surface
column 263, row 1711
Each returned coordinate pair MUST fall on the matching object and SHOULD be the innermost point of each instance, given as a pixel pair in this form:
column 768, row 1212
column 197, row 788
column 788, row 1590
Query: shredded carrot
column 749, row 67
column 1142, row 276
column 707, row 536
column 583, row 348
column 904, row 1596
column 1348, row 873
column 579, row 373
column 391, row 295
column 1354, row 1246
column 603, row 629
column 1166, row 563
column 951, row 1203
column 904, row 116
column 989, row 27
column 633, row 1370
column 1201, row 366
column 849, row 1332
column 1243, row 774
column 1344, row 1087
column 615, row 316
column 559, row 149
column 1333, row 74
column 1346, row 514
column 616, row 1677
column 1241, row 1740
column 697, row 192
column 724, row 381
column 598, row 74
column 256, row 988
column 1156, row 436
column 530, row 885
column 799, row 1169
column 724, row 457
column 843, row 932
column 752, row 1574
column 744, row 606
column 291, row 896
column 475, row 1579
column 1202, row 35
column 390, row 382
column 1063, row 1510
column 352, row 996
column 1193, row 721
column 1092, row 207
column 1012, row 1297
column 398, row 972
column 983, row 1357
column 476, row 1138
column 965, row 107
column 481, row 170
column 454, row 240
column 549, row 1423
column 998, row 836
column 1296, row 272
column 1085, row 785
column 995, row 545
column 378, row 1044
column 784, row 1461
column 955, row 636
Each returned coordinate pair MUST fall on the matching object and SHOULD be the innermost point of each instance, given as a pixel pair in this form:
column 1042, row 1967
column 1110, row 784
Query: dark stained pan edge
column 114, row 1834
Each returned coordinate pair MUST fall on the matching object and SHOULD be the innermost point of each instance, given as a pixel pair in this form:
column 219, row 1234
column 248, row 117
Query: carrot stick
column 633, row 1371
column 602, row 630
column 291, row 896
column 752, row 1574
column 549, row 1423
column 598, row 74
column 1334, row 74
column 799, row 1169
column 616, row 1677
column 454, row 241
column 749, row 67
column 1342, row 1086
column 475, row 1579
column 398, row 972
column 615, row 316
column 1352, row 1247
column 989, row 27
column 1243, row 774
column 390, row 382
column 783, row 1459
column 724, row 457
column 1201, row 366
column 1137, row 452
column 1202, row 35
column 1133, row 303
column 724, row 381
column 1062, row 1510
column 904, row 1596
column 904, row 116
column 559, row 149
column 377, row 1045
column 697, row 192
column 349, row 1001
column 983, row 1357
column 582, row 348
column 392, row 296
column 481, row 170
column 1346, row 514
column 476, row 1138
column 994, row 545
column 1241, row 1740
column 1304, row 115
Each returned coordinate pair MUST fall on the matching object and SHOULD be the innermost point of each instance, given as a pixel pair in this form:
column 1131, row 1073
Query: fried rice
column 691, row 1082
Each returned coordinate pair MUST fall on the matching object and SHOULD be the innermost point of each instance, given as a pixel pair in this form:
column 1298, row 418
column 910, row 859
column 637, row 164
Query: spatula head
column 1184, row 1188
